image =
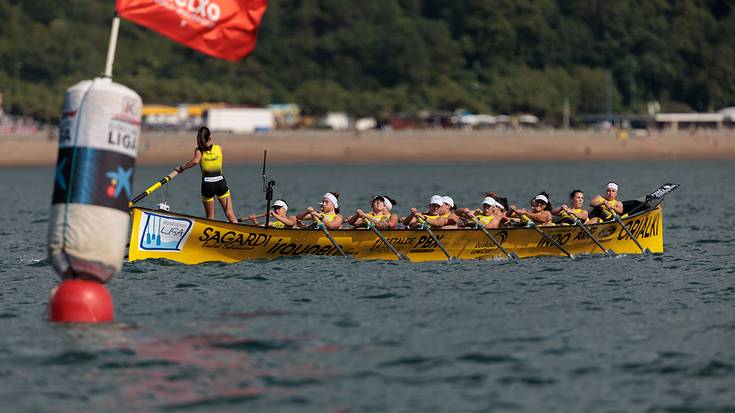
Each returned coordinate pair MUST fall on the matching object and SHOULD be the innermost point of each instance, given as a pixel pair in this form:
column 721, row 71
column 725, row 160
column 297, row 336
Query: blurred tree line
column 395, row 56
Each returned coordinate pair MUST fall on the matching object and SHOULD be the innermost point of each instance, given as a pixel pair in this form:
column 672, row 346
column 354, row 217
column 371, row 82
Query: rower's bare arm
column 392, row 222
column 437, row 222
column 287, row 220
column 193, row 162
column 302, row 215
column 541, row 217
column 338, row 220
column 597, row 201
column 618, row 208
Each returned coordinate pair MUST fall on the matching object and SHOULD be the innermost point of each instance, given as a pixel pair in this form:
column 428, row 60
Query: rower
column 603, row 207
column 279, row 214
column 209, row 158
column 540, row 212
column 328, row 212
column 434, row 217
column 569, row 214
column 488, row 216
column 380, row 215
column 449, row 208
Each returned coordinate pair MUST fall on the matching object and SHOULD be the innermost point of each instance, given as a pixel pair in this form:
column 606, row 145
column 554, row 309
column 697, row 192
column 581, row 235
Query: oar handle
column 153, row 187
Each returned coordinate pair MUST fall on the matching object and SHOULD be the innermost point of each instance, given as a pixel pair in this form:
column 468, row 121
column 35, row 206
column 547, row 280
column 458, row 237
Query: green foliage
column 373, row 58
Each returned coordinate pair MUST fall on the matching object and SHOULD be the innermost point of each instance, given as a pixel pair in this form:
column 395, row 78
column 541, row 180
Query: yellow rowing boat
column 193, row 240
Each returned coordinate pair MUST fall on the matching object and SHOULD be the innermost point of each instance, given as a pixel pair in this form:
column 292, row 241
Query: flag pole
column 112, row 46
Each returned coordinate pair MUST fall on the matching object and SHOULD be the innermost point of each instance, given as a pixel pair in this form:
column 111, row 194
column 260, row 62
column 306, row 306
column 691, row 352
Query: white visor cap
column 331, row 198
column 448, row 200
column 613, row 186
column 387, row 203
column 280, row 203
column 436, row 200
column 492, row 202
column 542, row 198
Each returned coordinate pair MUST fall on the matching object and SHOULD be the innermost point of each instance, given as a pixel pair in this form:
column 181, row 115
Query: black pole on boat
column 546, row 236
column 268, row 189
column 510, row 255
column 425, row 227
column 371, row 225
column 586, row 230
column 321, row 226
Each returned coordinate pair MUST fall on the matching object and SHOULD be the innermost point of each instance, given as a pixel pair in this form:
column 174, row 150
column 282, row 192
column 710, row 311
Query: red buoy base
column 81, row 301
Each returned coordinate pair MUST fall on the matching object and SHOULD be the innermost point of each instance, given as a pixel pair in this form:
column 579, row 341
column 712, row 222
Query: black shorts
column 212, row 189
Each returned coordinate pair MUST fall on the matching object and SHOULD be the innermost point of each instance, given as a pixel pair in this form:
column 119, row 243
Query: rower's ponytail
column 392, row 201
column 548, row 204
column 202, row 139
column 336, row 195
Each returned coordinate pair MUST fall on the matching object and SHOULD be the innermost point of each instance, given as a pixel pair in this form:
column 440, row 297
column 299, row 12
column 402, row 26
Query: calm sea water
column 603, row 334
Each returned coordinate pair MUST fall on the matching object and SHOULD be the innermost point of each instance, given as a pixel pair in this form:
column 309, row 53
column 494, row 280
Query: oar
column 425, row 227
column 478, row 225
column 617, row 219
column 578, row 222
column 320, row 225
column 371, row 225
column 152, row 188
column 242, row 219
column 546, row 236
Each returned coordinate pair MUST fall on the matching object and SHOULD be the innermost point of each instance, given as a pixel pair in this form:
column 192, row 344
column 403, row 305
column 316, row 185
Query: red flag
column 226, row 29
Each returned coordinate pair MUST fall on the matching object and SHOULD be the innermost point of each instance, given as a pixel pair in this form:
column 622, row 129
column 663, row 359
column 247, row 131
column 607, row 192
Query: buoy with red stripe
column 89, row 218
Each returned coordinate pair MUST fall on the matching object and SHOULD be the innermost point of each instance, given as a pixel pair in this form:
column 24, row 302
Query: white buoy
column 99, row 133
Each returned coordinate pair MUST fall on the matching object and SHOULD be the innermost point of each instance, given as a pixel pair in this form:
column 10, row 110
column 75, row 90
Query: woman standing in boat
column 209, row 158
column 575, row 210
column 279, row 213
column 381, row 215
column 328, row 211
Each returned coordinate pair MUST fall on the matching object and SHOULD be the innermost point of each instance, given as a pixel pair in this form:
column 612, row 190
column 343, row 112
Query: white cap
column 448, row 200
column 387, row 203
column 331, row 198
column 280, row 203
column 542, row 198
column 492, row 202
column 613, row 186
column 436, row 199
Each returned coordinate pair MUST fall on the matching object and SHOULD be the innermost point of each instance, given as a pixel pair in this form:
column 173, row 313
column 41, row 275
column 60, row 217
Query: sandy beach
column 163, row 148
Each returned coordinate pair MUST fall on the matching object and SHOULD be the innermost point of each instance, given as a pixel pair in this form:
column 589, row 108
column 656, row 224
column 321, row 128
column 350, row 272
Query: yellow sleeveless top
column 378, row 217
column 277, row 224
column 569, row 217
column 485, row 219
column 329, row 217
column 211, row 163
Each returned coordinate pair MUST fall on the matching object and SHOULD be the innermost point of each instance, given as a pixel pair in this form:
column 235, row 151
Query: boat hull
column 193, row 240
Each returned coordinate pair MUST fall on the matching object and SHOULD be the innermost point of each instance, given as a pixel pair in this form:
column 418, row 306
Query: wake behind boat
column 193, row 240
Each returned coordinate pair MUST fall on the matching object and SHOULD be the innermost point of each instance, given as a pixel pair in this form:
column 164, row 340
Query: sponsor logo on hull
column 163, row 233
